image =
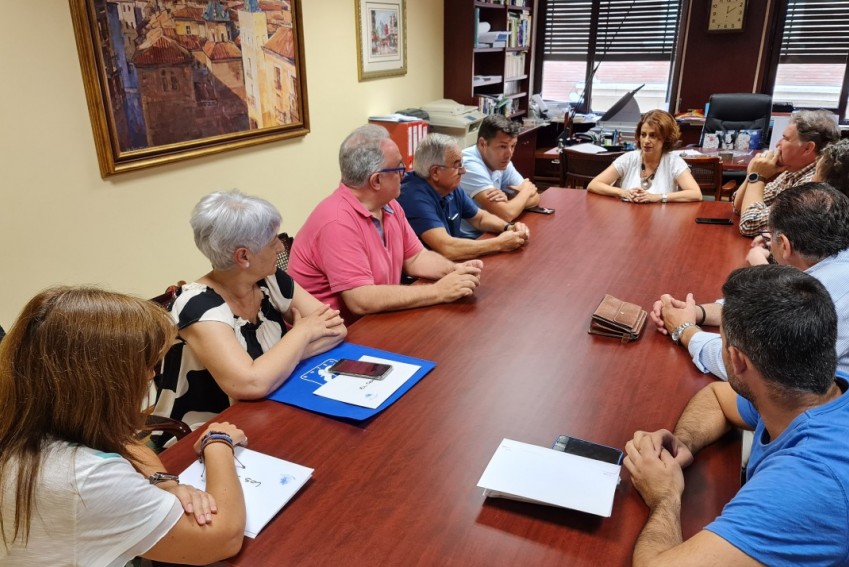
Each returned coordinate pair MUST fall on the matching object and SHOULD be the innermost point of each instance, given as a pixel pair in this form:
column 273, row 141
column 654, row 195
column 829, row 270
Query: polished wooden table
column 513, row 361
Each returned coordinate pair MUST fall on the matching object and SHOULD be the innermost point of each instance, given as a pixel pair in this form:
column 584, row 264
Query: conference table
column 513, row 361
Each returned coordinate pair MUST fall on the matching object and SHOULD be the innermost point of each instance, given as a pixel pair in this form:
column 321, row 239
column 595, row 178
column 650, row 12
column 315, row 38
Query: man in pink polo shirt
column 354, row 245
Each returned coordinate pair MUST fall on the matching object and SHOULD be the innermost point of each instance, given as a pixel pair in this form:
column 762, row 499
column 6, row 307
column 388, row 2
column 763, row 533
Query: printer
column 454, row 119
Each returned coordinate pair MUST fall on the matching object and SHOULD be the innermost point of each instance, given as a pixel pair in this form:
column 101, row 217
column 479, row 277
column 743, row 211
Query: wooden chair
column 577, row 169
column 283, row 257
column 156, row 422
column 707, row 171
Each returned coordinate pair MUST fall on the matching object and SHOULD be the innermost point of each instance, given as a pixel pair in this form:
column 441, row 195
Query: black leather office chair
column 738, row 111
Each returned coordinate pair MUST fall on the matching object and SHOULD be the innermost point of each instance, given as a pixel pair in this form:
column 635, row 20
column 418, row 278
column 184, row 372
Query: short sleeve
column 622, row 164
column 677, row 165
column 121, row 515
column 198, row 303
column 477, row 177
column 748, row 412
column 778, row 520
column 281, row 289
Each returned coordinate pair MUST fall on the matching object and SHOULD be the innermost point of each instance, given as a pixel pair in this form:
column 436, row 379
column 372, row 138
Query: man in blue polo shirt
column 778, row 350
column 435, row 209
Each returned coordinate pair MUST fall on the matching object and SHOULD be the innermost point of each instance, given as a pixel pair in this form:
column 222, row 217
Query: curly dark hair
column 833, row 166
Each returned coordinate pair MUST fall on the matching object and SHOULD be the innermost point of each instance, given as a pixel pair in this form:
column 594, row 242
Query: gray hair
column 834, row 166
column 361, row 154
column 227, row 220
column 431, row 151
column 816, row 126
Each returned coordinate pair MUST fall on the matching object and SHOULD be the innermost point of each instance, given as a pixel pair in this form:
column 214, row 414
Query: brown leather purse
column 618, row 319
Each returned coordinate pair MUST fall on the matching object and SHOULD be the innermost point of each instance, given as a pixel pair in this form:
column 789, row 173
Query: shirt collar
column 348, row 195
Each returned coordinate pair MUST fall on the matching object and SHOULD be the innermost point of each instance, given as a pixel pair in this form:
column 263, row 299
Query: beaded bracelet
column 215, row 437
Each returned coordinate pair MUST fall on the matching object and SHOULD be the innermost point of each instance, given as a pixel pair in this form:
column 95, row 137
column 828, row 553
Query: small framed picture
column 381, row 38
column 711, row 141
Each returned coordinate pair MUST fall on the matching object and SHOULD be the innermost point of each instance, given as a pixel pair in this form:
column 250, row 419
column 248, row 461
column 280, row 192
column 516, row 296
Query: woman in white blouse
column 650, row 174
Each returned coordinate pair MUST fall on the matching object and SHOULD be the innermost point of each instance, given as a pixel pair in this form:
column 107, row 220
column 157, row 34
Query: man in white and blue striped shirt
column 809, row 227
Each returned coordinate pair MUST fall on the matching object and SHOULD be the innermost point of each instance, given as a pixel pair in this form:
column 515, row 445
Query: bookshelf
column 499, row 72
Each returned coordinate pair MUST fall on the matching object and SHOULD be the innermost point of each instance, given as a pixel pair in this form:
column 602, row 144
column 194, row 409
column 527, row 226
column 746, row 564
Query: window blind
column 816, row 31
column 625, row 30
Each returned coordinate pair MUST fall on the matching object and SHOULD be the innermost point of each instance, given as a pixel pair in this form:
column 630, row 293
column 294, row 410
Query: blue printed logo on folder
column 312, row 374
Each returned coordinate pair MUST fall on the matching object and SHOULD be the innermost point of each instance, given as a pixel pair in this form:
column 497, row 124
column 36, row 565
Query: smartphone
column 711, row 220
column 360, row 369
column 575, row 446
column 541, row 210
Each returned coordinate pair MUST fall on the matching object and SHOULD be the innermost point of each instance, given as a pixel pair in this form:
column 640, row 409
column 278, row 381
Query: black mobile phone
column 360, row 369
column 588, row 449
column 541, row 210
column 712, row 220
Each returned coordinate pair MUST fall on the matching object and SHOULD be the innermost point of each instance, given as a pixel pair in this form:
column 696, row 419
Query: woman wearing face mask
column 650, row 174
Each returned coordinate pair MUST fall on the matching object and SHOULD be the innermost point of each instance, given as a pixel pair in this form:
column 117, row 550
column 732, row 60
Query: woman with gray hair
column 245, row 325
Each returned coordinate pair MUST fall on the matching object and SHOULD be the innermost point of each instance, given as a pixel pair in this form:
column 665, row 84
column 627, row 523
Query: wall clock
column 726, row 15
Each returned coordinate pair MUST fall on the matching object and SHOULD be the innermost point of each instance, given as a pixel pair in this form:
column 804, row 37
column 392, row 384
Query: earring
column 247, row 264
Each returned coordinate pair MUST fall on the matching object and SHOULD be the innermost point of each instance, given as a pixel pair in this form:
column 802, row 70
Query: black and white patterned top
column 186, row 390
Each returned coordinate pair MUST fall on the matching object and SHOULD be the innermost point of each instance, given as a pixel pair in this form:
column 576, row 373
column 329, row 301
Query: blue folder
column 305, row 379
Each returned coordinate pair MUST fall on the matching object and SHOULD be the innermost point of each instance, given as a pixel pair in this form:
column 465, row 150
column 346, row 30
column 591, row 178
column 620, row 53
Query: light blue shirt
column 479, row 177
column 833, row 273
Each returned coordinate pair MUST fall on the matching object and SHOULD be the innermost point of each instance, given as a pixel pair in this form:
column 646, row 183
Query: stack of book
column 514, row 65
column 519, row 29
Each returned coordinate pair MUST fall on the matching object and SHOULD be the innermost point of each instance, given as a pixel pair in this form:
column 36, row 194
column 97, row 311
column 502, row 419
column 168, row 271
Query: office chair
column 577, row 169
column 283, row 257
column 707, row 171
column 155, row 422
column 738, row 111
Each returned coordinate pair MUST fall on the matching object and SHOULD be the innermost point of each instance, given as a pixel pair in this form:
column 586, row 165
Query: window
column 616, row 45
column 811, row 70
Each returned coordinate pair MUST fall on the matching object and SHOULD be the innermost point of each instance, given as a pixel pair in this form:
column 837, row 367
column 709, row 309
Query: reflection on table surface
column 513, row 361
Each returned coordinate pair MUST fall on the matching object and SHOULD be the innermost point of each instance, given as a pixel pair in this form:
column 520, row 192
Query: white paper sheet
column 364, row 392
column 267, row 482
column 541, row 475
column 587, row 148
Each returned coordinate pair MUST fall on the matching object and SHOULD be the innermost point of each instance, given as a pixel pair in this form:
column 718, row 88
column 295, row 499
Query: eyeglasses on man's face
column 400, row 170
column 458, row 166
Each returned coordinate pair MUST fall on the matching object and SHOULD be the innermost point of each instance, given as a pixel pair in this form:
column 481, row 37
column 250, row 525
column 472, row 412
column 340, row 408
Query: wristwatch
column 158, row 477
column 755, row 178
column 508, row 226
column 663, row 199
column 677, row 331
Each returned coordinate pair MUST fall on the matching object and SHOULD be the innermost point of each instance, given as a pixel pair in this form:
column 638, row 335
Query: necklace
column 646, row 180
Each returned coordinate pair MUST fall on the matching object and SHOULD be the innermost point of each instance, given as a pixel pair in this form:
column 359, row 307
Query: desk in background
column 513, row 361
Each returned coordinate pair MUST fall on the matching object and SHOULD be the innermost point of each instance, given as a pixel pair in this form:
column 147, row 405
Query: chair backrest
column 155, row 423
column 577, row 169
column 738, row 111
column 283, row 257
column 707, row 171
column 166, row 300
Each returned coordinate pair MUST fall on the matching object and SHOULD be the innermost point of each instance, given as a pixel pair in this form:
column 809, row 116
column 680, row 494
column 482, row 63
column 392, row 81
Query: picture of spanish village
column 182, row 70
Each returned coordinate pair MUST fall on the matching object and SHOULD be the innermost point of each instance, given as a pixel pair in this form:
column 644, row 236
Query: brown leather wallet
column 618, row 319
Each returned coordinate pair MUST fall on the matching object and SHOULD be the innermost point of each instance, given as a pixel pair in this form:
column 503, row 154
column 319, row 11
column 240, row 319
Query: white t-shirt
column 670, row 167
column 92, row 509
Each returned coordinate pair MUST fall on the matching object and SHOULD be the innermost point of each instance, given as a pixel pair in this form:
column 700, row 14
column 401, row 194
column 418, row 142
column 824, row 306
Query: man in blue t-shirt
column 435, row 209
column 779, row 353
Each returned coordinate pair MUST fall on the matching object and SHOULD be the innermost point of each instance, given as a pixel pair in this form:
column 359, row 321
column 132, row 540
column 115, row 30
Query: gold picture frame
column 169, row 80
column 381, row 38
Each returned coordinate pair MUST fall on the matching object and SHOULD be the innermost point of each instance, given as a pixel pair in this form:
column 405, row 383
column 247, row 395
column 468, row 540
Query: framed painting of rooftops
column 168, row 80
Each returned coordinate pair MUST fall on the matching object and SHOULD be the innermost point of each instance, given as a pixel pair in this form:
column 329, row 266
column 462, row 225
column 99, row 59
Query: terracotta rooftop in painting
column 163, row 51
column 282, row 43
column 222, row 50
column 195, row 14
column 191, row 42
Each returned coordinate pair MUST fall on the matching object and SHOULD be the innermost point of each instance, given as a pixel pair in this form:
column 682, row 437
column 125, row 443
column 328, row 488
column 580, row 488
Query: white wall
column 61, row 223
